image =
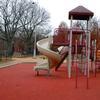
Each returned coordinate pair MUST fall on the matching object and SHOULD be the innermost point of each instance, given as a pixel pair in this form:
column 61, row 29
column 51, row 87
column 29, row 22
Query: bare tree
column 63, row 25
column 94, row 25
column 80, row 24
column 11, row 12
column 35, row 19
column 20, row 18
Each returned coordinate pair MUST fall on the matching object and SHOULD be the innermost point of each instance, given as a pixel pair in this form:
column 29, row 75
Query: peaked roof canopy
column 80, row 13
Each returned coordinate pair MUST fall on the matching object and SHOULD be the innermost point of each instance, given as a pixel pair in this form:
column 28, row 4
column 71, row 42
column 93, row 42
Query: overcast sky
column 59, row 9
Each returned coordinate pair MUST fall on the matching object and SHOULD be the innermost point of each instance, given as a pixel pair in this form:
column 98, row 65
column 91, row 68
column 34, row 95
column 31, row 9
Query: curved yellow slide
column 53, row 57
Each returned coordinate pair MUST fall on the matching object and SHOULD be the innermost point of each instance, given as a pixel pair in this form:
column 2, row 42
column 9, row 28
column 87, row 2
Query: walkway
column 37, row 59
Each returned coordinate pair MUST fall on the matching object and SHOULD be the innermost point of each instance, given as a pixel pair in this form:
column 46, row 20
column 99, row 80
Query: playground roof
column 80, row 13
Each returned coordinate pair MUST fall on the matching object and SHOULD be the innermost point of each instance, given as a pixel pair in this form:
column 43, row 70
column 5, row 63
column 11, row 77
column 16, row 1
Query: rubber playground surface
column 19, row 82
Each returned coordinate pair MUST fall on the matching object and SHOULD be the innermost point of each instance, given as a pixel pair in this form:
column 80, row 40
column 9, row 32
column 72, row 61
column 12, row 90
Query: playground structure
column 78, row 43
column 44, row 48
column 54, row 59
column 80, row 13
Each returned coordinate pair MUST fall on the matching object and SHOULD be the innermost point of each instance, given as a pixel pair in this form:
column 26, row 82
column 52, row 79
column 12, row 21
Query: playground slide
column 53, row 57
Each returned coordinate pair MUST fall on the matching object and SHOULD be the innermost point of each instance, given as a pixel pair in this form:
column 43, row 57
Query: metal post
column 88, row 51
column 76, row 66
column 89, row 41
column 95, row 54
column 70, row 50
column 34, row 51
column 34, row 45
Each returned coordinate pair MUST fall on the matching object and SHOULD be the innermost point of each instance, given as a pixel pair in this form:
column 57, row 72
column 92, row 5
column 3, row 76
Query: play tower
column 79, row 13
column 66, row 37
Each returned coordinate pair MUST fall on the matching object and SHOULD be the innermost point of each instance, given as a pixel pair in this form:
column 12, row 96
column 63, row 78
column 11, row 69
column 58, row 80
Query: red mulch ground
column 19, row 82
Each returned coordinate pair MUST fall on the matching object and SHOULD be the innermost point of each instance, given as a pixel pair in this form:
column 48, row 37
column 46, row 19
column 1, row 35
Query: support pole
column 95, row 54
column 89, row 41
column 34, row 52
column 70, row 50
column 88, row 51
column 88, row 57
column 76, row 67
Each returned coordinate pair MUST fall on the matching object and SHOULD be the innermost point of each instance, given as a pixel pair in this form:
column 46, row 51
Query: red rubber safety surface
column 19, row 82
